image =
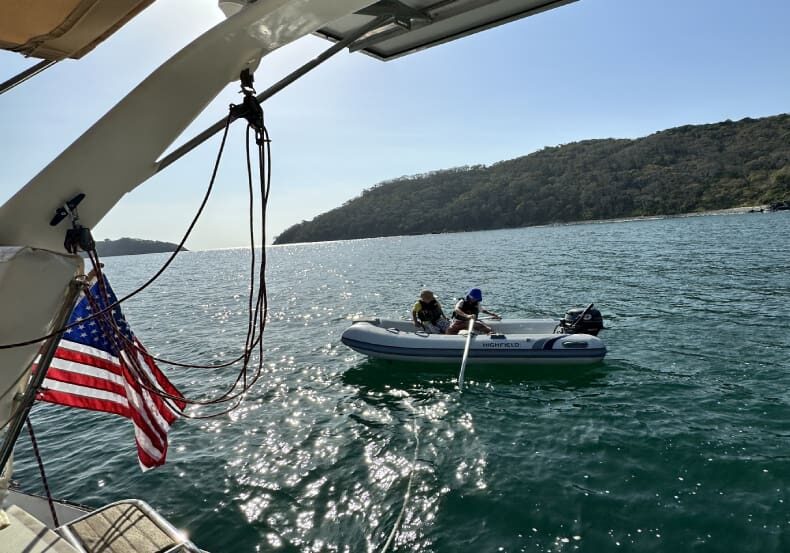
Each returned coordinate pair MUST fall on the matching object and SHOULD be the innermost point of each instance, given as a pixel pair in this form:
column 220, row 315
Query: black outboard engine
column 582, row 321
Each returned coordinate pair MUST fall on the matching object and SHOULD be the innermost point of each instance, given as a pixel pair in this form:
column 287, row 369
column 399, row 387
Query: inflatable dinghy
column 515, row 341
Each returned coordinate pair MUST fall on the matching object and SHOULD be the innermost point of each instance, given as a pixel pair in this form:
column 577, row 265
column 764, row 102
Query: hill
column 687, row 169
column 132, row 246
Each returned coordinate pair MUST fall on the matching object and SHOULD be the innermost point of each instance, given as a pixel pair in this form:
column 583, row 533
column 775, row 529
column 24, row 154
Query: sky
column 590, row 69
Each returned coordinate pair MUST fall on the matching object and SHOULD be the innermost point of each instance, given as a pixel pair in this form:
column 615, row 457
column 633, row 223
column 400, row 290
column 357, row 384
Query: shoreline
column 727, row 211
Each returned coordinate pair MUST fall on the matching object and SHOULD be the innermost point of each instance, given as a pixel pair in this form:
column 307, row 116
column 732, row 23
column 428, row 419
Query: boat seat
column 25, row 533
column 129, row 526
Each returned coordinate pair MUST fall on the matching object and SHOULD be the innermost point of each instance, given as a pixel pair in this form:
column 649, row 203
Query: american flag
column 95, row 368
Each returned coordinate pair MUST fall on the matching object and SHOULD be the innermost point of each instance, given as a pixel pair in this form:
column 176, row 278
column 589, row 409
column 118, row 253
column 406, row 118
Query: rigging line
column 104, row 316
column 407, row 495
column 262, row 295
column 251, row 341
column 118, row 334
column 265, row 183
column 111, row 329
column 261, row 306
column 260, row 311
column 259, row 315
column 265, row 170
column 41, row 470
column 161, row 269
column 243, row 356
column 226, row 396
column 251, row 321
column 97, row 269
column 115, row 334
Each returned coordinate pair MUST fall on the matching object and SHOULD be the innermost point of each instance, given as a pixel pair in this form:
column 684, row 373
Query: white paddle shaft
column 466, row 354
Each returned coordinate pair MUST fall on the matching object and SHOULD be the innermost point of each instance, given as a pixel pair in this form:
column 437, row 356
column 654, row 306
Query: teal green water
column 679, row 441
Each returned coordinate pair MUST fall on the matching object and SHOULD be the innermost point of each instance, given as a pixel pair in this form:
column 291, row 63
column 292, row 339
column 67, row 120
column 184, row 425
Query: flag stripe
column 77, row 348
column 141, row 413
column 87, row 356
column 163, row 405
column 84, row 398
column 166, row 385
column 148, row 460
column 78, row 374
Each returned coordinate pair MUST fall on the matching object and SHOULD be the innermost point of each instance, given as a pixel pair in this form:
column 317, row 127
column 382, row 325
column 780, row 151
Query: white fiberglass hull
column 518, row 341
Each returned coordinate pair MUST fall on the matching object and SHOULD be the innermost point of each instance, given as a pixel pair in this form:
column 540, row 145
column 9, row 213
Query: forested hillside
column 681, row 170
column 133, row 246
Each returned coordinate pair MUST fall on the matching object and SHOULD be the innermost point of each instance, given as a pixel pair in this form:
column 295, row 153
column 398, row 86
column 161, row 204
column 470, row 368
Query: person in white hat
column 427, row 314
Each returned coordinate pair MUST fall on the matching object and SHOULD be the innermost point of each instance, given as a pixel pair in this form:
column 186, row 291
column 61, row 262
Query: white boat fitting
column 123, row 526
column 511, row 342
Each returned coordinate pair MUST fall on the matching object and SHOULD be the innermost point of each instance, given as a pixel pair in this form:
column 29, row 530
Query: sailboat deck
column 125, row 527
column 130, row 526
column 27, row 534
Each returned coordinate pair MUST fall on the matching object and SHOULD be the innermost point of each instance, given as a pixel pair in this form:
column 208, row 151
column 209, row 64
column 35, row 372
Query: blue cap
column 475, row 294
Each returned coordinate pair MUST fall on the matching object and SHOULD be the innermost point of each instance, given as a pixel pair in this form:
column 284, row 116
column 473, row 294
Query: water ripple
column 677, row 442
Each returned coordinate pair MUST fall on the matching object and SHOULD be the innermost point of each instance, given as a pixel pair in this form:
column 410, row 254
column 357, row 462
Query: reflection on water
column 425, row 380
column 676, row 441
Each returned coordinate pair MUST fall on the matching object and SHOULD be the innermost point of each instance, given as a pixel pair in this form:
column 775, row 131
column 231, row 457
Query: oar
column 466, row 354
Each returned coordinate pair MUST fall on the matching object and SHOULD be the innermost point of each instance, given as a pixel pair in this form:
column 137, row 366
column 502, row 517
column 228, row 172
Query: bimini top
column 420, row 24
column 64, row 29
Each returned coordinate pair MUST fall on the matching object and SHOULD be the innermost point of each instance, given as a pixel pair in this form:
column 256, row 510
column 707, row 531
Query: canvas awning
column 59, row 29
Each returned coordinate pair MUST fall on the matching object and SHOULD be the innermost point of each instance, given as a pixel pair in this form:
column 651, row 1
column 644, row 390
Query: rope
column 407, row 495
column 43, row 474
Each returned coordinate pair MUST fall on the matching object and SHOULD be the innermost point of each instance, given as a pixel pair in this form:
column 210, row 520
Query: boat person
column 469, row 308
column 428, row 315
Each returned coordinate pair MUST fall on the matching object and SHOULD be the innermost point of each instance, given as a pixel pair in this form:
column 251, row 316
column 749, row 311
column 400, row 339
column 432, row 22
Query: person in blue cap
column 469, row 308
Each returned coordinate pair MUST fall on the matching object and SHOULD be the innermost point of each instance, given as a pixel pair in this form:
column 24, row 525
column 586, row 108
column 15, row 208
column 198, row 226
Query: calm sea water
column 679, row 441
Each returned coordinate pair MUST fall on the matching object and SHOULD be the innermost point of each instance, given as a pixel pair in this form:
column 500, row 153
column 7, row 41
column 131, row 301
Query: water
column 679, row 441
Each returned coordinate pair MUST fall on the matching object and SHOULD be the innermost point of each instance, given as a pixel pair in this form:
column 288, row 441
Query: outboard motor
column 582, row 321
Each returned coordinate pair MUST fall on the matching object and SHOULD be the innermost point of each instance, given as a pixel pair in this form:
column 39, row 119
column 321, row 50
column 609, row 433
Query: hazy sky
column 591, row 69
